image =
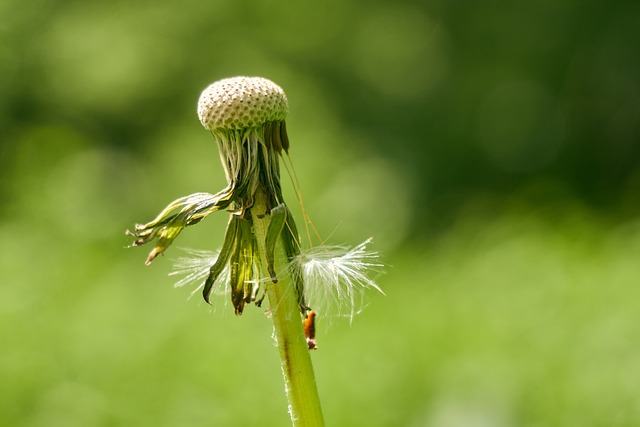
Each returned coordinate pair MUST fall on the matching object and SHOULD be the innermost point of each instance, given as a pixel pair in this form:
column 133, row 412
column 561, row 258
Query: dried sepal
column 291, row 243
column 222, row 260
column 274, row 232
column 179, row 214
column 309, row 326
column 242, row 265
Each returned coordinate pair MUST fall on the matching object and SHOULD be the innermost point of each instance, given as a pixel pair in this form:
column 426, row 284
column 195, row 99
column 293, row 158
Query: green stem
column 299, row 380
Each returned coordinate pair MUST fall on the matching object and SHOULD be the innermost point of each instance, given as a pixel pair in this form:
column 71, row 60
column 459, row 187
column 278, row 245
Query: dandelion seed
column 337, row 278
column 194, row 269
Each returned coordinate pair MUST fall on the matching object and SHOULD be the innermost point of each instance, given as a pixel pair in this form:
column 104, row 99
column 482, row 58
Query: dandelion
column 261, row 255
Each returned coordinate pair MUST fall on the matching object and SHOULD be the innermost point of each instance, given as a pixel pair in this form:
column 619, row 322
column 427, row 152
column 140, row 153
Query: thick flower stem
column 300, row 383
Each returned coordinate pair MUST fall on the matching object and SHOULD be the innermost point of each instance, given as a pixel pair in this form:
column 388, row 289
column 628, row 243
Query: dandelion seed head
column 241, row 102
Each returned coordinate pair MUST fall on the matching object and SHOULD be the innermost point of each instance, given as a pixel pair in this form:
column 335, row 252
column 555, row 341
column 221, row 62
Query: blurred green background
column 490, row 148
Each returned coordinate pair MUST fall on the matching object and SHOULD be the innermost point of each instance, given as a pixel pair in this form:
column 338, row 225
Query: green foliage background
column 490, row 148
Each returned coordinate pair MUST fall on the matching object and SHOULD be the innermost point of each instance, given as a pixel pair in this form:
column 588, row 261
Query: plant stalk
column 299, row 379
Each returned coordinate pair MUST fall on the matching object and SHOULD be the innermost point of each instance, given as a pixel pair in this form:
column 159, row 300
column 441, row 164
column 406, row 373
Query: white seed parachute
column 336, row 278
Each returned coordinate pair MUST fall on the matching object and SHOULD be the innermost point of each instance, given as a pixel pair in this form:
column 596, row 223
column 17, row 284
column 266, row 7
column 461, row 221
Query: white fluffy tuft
column 195, row 266
column 336, row 278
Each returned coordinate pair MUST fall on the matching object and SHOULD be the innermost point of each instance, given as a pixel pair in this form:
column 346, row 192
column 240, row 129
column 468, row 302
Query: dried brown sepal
column 284, row 138
column 310, row 330
column 278, row 133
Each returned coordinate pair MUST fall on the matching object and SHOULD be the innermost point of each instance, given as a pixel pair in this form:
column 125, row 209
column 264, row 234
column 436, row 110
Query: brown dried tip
column 310, row 330
column 153, row 254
